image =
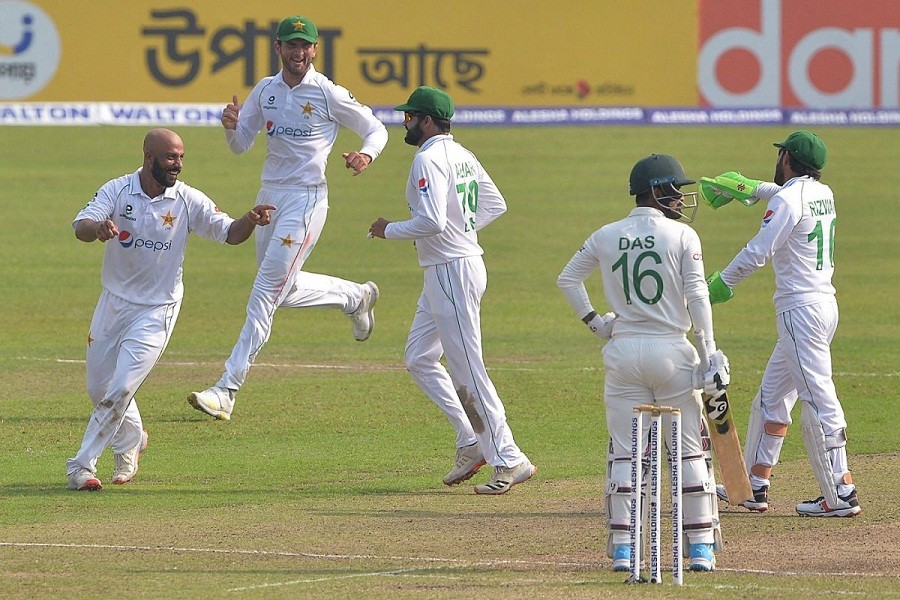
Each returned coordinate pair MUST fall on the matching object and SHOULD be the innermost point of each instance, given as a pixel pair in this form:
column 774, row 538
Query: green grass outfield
column 327, row 483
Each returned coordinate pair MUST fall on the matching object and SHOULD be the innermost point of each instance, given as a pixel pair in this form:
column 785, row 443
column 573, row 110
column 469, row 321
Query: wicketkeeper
column 797, row 234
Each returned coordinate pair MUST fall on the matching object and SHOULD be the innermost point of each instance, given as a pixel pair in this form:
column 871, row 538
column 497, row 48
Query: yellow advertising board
column 485, row 53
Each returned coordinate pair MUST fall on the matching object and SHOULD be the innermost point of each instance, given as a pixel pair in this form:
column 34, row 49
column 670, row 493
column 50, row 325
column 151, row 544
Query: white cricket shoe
column 506, row 477
column 468, row 460
column 216, row 402
column 84, row 480
column 127, row 462
column 848, row 506
column 363, row 318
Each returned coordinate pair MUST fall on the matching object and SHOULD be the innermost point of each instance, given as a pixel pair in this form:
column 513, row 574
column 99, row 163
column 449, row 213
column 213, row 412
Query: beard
column 413, row 135
column 161, row 176
column 779, row 174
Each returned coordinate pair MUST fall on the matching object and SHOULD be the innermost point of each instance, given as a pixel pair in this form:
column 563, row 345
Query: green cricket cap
column 297, row 27
column 429, row 101
column 806, row 147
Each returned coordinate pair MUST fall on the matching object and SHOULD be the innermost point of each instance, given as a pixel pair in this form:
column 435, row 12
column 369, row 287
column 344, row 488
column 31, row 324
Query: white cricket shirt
column 301, row 125
column 651, row 268
column 450, row 197
column 143, row 265
column 797, row 234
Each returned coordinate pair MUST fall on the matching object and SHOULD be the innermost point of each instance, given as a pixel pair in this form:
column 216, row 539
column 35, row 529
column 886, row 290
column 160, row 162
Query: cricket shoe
column 127, row 462
column 362, row 319
column 468, row 460
column 216, row 402
column 702, row 558
column 758, row 503
column 622, row 558
column 506, row 477
column 848, row 506
column 84, row 480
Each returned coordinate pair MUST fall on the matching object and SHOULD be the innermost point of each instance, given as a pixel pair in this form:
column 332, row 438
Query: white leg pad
column 618, row 501
column 754, row 432
column 825, row 453
column 700, row 508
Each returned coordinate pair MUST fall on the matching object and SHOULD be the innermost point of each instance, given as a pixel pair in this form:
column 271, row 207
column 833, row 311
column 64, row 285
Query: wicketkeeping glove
column 719, row 291
column 602, row 326
column 716, row 380
column 727, row 187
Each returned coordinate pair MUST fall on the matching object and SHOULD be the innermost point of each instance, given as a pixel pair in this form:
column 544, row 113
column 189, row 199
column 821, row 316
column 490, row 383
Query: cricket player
column 146, row 218
column 797, row 235
column 451, row 197
column 301, row 112
column 652, row 270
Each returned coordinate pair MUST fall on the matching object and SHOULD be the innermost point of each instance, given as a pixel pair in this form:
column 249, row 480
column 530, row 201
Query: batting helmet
column 655, row 170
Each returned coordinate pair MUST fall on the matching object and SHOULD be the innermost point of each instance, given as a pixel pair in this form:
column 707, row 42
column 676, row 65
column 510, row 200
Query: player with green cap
column 798, row 236
column 301, row 111
column 451, row 197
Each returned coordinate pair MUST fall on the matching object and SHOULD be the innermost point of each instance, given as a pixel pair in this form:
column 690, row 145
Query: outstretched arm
column 241, row 229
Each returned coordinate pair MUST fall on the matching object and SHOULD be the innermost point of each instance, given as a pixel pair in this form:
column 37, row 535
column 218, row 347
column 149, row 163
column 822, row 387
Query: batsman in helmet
column 652, row 269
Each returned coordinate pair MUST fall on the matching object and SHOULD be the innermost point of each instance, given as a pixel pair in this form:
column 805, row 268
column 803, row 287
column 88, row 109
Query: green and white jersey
column 450, row 197
column 651, row 268
column 797, row 235
column 143, row 264
column 301, row 124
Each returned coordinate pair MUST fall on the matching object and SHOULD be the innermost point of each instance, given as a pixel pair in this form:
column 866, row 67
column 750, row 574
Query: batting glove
column 716, row 380
column 602, row 326
column 719, row 291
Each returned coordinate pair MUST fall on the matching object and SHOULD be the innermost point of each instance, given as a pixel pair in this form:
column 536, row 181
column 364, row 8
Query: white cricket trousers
column 800, row 365
column 124, row 343
column 281, row 249
column 656, row 370
column 448, row 322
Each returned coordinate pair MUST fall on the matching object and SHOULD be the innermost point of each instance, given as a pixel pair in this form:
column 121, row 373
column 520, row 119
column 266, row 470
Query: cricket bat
column 724, row 436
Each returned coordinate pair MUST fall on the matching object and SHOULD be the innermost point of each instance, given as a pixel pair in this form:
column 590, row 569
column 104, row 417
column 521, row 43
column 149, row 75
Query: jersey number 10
column 818, row 235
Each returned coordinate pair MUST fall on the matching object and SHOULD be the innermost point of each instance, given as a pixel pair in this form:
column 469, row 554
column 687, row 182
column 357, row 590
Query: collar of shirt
column 794, row 180
column 435, row 139
column 645, row 211
column 307, row 78
column 136, row 189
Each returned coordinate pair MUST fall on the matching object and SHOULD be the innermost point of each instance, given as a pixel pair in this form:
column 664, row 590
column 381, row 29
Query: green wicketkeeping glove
column 727, row 187
column 712, row 194
column 718, row 289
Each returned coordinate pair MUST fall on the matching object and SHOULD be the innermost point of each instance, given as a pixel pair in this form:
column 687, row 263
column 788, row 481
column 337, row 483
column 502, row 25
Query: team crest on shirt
column 768, row 216
column 423, row 186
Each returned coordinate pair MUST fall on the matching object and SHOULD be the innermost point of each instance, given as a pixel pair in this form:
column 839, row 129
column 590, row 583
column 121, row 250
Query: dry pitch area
column 542, row 540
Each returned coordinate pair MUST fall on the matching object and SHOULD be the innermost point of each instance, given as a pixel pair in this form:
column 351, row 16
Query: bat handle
column 700, row 336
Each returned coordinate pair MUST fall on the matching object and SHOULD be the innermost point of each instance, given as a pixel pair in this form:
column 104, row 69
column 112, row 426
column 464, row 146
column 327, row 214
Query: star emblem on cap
column 287, row 241
column 308, row 109
column 299, row 26
column 168, row 219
